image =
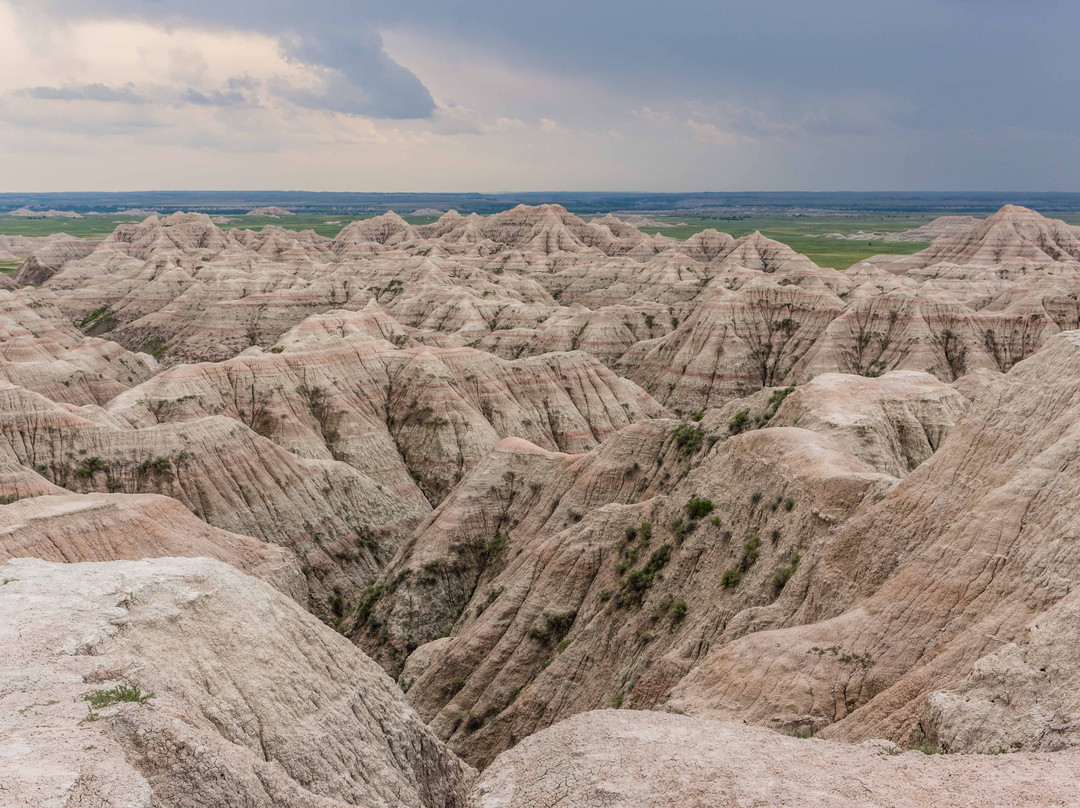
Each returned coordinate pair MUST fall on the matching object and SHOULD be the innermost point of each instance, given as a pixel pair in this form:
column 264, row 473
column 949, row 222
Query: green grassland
column 97, row 227
column 806, row 234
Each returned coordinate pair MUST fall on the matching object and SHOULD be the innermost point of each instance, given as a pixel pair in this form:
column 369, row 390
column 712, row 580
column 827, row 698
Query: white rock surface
column 254, row 701
column 626, row 759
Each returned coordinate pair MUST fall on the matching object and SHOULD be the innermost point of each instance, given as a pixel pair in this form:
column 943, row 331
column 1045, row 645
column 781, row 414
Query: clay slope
column 892, row 423
column 234, row 696
column 335, row 388
column 569, row 582
column 941, row 227
column 619, row 758
column 932, row 615
column 987, row 304
column 43, row 353
column 330, row 515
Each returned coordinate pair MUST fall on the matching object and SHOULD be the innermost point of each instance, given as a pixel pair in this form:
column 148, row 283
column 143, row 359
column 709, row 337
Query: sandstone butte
column 525, row 510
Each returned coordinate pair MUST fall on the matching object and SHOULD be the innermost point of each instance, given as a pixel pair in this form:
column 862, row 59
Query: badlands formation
column 526, row 510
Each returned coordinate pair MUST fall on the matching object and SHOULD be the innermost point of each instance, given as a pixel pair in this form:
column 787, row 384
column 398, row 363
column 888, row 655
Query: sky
column 361, row 95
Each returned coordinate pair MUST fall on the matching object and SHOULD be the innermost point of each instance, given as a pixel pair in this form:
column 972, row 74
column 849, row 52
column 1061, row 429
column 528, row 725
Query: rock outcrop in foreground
column 615, row 758
column 183, row 682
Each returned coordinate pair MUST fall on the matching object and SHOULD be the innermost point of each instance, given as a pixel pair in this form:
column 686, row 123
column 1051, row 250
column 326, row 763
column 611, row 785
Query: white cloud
column 509, row 124
column 706, row 132
column 662, row 119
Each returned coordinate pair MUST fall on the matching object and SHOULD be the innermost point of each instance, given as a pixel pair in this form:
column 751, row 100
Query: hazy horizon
column 710, row 203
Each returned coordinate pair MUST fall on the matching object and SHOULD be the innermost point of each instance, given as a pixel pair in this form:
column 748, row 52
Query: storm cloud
column 487, row 95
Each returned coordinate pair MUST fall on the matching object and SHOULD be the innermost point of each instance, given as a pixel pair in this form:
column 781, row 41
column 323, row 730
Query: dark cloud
column 945, row 63
column 85, row 92
column 337, row 35
column 238, row 92
column 360, row 78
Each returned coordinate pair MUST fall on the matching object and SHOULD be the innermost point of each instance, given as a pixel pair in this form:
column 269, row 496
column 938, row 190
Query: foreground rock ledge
column 255, row 702
column 633, row 759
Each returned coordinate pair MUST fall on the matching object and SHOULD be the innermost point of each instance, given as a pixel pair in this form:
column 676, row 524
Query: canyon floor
column 532, row 510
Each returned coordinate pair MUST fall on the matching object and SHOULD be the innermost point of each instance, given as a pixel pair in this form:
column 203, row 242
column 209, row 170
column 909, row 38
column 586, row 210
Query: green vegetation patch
column 115, row 695
column 805, row 234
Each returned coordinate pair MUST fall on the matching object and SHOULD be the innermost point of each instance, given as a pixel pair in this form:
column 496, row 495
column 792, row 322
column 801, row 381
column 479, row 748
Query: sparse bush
column 431, row 572
column 777, row 398
column 698, row 508
column 366, row 540
column 367, row 602
column 115, row 695
column 159, row 465
column 688, row 438
column 554, row 627
column 91, row 465
column 740, row 422
column 783, row 575
column 730, row 579
column 662, row 606
column 750, row 552
column 678, row 612
column 497, row 546
column 639, row 581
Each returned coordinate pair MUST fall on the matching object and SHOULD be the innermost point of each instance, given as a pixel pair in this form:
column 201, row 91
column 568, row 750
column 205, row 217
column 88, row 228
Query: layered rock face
column 695, row 323
column 43, row 353
column 536, row 467
column 951, row 589
column 112, row 527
